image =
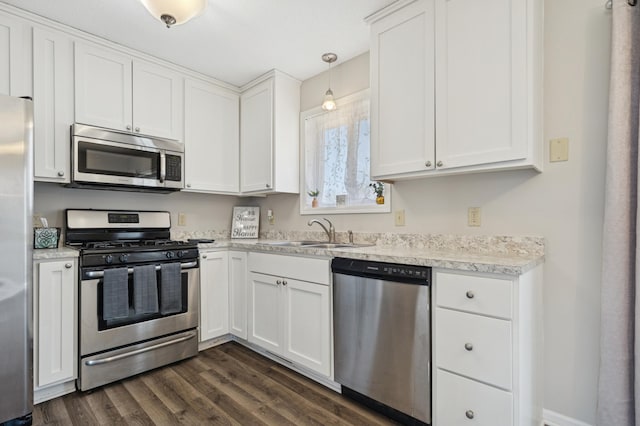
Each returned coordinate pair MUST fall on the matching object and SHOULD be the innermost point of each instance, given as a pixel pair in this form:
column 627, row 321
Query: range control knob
column 181, row 253
column 170, row 254
column 108, row 259
column 124, row 257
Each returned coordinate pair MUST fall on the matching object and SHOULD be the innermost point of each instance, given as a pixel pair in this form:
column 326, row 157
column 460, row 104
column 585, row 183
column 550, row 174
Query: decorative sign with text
column 246, row 222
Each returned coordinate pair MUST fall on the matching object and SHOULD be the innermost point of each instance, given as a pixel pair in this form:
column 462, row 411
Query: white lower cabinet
column 214, row 294
column 55, row 322
column 289, row 315
column 487, row 341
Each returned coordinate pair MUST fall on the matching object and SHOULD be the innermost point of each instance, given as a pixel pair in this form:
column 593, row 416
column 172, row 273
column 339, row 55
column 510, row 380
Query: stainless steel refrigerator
column 16, row 240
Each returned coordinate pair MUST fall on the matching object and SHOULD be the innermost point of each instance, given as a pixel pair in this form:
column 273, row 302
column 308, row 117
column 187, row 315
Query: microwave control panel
column 174, row 168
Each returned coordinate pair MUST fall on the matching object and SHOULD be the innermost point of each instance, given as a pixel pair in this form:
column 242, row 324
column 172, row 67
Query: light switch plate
column 559, row 150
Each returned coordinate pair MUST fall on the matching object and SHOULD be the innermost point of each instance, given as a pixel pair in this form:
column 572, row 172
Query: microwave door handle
column 163, row 166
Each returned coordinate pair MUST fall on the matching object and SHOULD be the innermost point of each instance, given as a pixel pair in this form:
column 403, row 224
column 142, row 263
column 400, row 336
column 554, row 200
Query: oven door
column 98, row 335
column 114, row 163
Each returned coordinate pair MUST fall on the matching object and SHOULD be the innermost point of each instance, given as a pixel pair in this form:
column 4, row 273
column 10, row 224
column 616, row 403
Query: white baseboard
column 551, row 418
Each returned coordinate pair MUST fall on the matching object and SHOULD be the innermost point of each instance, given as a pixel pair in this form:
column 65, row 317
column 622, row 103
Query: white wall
column 203, row 212
column 564, row 204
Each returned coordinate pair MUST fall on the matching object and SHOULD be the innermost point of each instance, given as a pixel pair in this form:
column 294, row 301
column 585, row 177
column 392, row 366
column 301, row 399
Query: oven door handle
column 114, row 358
column 100, row 274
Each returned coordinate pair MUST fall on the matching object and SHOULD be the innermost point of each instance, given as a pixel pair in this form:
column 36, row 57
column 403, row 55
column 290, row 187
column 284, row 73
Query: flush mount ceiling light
column 174, row 12
column 329, row 104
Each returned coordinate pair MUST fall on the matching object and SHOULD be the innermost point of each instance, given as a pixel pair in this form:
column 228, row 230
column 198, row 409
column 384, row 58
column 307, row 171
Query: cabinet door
column 212, row 140
column 265, row 312
column 53, row 111
column 14, row 55
column 481, row 86
column 55, row 313
column 102, row 87
column 214, row 295
column 256, row 135
column 402, row 91
column 157, row 101
column 238, row 293
column 307, row 324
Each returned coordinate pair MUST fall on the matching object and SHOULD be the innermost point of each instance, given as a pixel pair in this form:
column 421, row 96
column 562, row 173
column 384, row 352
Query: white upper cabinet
column 53, row 106
column 115, row 91
column 103, row 88
column 456, row 87
column 402, row 83
column 14, row 56
column 269, row 135
column 158, row 107
column 212, row 140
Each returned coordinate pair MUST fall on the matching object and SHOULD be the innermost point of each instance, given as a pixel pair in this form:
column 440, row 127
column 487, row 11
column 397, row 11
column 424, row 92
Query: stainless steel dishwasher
column 382, row 336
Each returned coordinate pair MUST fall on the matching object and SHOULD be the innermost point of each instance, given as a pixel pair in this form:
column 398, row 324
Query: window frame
column 306, row 209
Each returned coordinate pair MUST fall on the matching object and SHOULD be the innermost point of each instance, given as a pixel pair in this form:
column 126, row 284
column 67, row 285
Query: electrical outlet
column 399, row 217
column 182, row 219
column 473, row 216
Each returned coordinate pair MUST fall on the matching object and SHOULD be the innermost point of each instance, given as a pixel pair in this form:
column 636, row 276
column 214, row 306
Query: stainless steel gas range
column 138, row 301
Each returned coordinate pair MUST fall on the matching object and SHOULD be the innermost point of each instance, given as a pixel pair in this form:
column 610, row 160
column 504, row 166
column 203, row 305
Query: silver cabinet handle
column 268, row 186
column 188, row 185
column 468, row 346
column 428, row 164
column 68, row 265
column 284, row 282
column 439, row 164
column 204, row 256
column 470, row 295
column 137, row 129
column 128, row 126
column 278, row 282
column 469, row 414
column 60, row 173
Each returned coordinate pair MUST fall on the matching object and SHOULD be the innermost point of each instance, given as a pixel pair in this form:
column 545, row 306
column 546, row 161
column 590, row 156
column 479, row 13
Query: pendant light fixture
column 174, row 12
column 329, row 104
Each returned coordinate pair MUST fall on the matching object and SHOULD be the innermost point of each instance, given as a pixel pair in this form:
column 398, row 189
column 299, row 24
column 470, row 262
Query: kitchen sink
column 292, row 243
column 315, row 244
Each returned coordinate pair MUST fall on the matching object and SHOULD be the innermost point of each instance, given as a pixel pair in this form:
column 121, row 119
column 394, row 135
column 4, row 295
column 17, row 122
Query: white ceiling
column 233, row 40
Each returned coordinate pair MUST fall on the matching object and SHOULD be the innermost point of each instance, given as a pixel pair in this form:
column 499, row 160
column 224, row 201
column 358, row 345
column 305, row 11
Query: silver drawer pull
column 68, row 265
column 468, row 346
column 278, row 282
column 470, row 295
column 100, row 274
column 284, row 282
column 469, row 414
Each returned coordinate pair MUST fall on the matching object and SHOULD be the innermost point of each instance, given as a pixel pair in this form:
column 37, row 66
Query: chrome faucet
column 331, row 232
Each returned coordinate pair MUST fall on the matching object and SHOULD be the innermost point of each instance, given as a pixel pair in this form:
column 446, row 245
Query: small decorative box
column 46, row 237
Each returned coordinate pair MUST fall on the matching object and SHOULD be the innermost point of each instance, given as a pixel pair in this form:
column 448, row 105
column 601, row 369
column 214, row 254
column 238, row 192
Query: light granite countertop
column 499, row 255
column 507, row 255
column 56, row 253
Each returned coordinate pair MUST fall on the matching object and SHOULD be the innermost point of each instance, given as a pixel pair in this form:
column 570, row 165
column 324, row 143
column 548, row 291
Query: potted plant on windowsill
column 314, row 195
column 378, row 188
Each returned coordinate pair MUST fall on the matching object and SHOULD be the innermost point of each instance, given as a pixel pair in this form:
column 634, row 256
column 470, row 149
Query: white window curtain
column 337, row 154
column 619, row 380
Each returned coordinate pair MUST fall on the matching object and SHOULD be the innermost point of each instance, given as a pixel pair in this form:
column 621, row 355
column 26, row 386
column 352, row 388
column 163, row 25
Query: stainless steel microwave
column 108, row 159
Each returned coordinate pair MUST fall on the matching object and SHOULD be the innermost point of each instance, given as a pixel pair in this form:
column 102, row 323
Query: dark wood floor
column 226, row 385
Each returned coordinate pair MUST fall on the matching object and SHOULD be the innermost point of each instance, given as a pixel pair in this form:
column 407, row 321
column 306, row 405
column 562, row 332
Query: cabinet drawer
column 462, row 401
column 482, row 295
column 300, row 268
column 474, row 346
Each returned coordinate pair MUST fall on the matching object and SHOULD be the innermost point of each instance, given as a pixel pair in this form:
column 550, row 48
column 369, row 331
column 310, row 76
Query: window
column 336, row 160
